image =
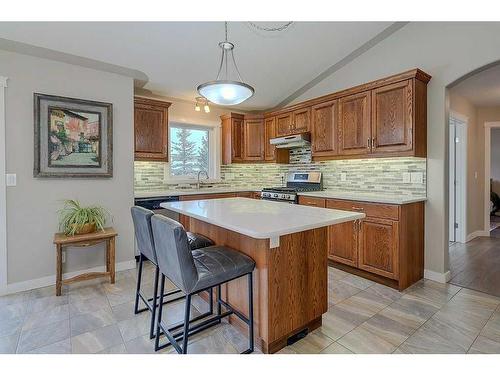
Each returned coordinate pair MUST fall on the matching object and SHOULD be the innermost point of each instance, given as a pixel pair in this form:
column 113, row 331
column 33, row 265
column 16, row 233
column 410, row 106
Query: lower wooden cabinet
column 386, row 246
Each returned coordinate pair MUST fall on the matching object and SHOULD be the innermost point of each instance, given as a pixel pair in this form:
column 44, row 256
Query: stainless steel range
column 297, row 182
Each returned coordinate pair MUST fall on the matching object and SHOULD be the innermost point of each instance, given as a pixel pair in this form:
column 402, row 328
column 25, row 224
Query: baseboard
column 436, row 276
column 477, row 233
column 51, row 280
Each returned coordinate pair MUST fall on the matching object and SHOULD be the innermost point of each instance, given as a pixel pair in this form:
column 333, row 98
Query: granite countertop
column 261, row 219
column 365, row 197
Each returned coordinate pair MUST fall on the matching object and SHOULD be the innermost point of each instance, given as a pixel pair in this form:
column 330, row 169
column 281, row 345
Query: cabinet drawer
column 384, row 211
column 311, row 201
column 206, row 196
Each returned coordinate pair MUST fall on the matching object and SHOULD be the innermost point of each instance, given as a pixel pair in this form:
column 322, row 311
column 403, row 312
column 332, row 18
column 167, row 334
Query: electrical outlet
column 64, row 256
column 343, row 177
column 406, row 177
column 11, row 179
column 417, row 178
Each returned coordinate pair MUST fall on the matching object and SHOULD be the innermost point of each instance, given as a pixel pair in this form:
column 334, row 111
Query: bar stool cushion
column 197, row 241
column 219, row 264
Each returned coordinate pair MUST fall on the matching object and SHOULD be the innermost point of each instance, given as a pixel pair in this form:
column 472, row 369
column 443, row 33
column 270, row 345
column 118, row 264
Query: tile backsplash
column 384, row 175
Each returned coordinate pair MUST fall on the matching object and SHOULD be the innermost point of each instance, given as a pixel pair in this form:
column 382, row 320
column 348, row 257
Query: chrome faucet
column 200, row 172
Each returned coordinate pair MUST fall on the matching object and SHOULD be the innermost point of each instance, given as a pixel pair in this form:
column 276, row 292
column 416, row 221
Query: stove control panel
column 278, row 196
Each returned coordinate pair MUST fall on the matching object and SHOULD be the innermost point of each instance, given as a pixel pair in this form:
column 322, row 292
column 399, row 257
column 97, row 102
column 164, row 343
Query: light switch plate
column 406, row 177
column 11, row 179
column 417, row 178
column 343, row 177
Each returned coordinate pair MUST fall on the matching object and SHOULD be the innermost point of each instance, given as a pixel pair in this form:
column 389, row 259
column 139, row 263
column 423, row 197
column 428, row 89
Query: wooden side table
column 84, row 240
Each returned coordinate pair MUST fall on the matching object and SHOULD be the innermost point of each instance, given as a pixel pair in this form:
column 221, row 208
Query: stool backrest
column 143, row 232
column 173, row 252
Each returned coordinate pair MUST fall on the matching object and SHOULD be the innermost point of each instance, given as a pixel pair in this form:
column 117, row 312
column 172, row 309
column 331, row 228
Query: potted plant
column 75, row 219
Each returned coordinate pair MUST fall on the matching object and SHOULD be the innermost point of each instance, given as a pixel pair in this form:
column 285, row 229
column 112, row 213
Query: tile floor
column 363, row 317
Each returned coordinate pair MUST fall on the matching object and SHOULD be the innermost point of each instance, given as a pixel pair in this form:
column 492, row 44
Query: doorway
column 458, row 180
column 492, row 178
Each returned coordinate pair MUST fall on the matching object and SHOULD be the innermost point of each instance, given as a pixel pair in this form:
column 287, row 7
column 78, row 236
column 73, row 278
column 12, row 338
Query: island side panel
column 237, row 292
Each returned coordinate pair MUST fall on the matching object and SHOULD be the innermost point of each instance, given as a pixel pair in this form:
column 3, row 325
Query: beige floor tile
column 8, row 344
column 144, row 345
column 286, row 350
column 484, row 345
column 357, row 282
column 336, row 274
column 15, row 298
column 43, row 303
column 90, row 321
column 135, row 327
column 42, row 336
column 416, row 306
column 388, row 329
column 117, row 349
column 13, row 311
column 403, row 315
column 492, row 328
column 437, row 293
column 45, row 317
column 77, row 307
column 336, row 348
column 216, row 343
column 363, row 341
column 467, row 297
column 385, row 292
column 339, row 291
column 11, row 326
column 313, row 343
column 60, row 347
column 124, row 311
column 97, row 340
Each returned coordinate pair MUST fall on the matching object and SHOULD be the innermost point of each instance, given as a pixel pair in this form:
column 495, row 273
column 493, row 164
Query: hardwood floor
column 476, row 264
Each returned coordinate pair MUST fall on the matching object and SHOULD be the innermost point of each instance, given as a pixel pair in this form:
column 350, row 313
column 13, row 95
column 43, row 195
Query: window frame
column 213, row 149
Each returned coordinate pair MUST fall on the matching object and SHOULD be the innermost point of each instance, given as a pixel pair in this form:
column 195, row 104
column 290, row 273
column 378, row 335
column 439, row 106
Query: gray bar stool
column 145, row 243
column 194, row 272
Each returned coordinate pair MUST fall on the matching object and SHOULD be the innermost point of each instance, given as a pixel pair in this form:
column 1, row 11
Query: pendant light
column 224, row 91
column 203, row 101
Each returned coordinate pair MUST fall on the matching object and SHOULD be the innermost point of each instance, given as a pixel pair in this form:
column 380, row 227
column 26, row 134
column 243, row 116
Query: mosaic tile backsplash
column 362, row 175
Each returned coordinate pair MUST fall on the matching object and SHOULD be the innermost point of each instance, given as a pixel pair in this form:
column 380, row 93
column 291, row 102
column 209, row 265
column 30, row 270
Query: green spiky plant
column 73, row 217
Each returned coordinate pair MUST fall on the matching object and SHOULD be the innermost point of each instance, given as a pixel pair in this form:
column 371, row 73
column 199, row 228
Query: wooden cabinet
column 386, row 246
column 150, row 129
column 392, row 122
column 284, row 124
column 232, row 138
column 343, row 243
column 253, row 131
column 324, row 126
column 301, row 121
column 196, row 197
column 354, row 124
column 269, row 133
column 379, row 247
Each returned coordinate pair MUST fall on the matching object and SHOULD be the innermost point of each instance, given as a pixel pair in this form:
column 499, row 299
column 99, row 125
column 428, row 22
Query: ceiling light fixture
column 223, row 90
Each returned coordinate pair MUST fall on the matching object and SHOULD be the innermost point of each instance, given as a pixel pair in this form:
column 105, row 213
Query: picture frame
column 73, row 138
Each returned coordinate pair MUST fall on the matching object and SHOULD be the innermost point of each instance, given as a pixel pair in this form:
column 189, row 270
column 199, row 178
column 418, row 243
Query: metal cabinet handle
column 358, row 208
column 368, row 143
column 374, row 143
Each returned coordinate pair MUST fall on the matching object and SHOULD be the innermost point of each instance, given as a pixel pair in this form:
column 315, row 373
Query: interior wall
column 32, row 205
column 447, row 51
column 495, row 160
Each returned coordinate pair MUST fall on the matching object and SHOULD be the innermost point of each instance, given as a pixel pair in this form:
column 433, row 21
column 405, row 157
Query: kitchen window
column 192, row 149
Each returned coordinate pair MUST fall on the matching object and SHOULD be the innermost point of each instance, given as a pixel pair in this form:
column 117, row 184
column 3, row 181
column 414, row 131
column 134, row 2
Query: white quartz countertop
column 260, row 219
column 179, row 192
column 365, row 197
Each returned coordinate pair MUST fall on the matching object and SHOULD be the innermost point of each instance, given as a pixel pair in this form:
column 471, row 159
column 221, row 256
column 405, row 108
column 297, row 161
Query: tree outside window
column 189, row 150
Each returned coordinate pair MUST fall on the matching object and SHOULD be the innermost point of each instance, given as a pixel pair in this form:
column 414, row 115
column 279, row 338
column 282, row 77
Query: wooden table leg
column 112, row 260
column 59, row 270
column 107, row 255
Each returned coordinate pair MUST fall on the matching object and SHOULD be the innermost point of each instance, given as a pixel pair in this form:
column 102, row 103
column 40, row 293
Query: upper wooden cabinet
column 392, row 120
column 301, row 121
column 284, row 124
column 150, row 129
column 232, row 138
column 324, row 127
column 269, row 133
column 253, row 131
column 354, row 124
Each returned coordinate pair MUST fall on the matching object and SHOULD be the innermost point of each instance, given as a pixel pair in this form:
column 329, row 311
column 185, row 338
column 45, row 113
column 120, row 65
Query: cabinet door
column 392, row 124
column 253, row 148
column 343, row 243
column 301, row 120
column 379, row 247
column 269, row 132
column 354, row 124
column 237, row 139
column 324, row 129
column 284, row 124
column 150, row 131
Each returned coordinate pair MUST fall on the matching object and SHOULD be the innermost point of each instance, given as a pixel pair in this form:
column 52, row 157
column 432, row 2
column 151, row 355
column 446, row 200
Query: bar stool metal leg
column 160, row 310
column 139, row 277
column 186, row 324
column 155, row 298
column 250, row 311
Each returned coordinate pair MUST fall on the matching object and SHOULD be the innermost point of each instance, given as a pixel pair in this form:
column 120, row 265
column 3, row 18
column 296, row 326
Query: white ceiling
column 481, row 89
column 178, row 56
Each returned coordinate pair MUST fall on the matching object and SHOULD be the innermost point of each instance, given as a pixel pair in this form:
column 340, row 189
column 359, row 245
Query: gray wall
column 447, row 51
column 32, row 205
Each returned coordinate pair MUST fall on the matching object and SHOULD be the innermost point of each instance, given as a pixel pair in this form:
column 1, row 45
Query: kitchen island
column 289, row 245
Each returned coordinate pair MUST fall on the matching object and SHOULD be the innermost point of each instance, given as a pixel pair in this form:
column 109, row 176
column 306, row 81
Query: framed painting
column 73, row 137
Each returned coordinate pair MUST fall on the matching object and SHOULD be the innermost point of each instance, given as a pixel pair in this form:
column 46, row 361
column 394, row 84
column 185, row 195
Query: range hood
column 292, row 141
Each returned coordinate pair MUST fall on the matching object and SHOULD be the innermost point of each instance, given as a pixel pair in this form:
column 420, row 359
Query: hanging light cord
column 224, row 61
column 271, row 29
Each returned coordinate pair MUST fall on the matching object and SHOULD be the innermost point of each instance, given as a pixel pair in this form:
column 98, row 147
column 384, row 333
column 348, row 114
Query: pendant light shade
column 224, row 91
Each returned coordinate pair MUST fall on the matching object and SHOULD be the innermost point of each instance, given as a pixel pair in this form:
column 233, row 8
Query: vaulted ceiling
column 177, row 56
column 481, row 89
